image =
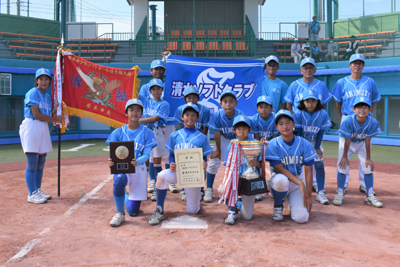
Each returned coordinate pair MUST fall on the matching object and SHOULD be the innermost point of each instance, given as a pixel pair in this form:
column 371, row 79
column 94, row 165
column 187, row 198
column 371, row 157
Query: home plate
column 185, row 222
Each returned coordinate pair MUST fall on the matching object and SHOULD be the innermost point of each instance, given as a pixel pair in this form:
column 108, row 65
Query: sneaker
column 201, row 195
column 183, row 196
column 208, row 195
column 277, row 215
column 258, row 197
column 43, row 194
column 172, row 188
column 154, row 196
column 315, row 188
column 344, row 191
column 321, row 198
column 36, row 198
column 117, row 219
column 232, row 216
column 157, row 217
column 338, row 200
column 364, row 190
column 373, row 201
column 152, row 186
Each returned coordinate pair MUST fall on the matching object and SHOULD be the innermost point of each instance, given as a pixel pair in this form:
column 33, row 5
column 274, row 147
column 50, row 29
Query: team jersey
column 181, row 140
column 155, row 108
column 220, row 122
column 276, row 89
column 35, row 97
column 347, row 89
column 292, row 157
column 314, row 26
column 311, row 123
column 143, row 137
column 351, row 129
column 243, row 162
column 203, row 120
column 295, row 92
column 264, row 128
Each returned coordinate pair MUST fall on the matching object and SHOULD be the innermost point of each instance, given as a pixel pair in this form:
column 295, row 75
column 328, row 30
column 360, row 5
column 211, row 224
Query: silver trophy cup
column 250, row 150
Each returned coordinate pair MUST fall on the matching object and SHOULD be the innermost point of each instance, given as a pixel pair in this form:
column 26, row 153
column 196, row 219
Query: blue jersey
column 35, row 97
column 292, row 157
column 314, row 26
column 264, row 128
column 347, row 89
column 351, row 129
column 243, row 162
column 181, row 140
column 155, row 108
column 311, row 123
column 220, row 122
column 276, row 89
column 203, row 120
column 295, row 92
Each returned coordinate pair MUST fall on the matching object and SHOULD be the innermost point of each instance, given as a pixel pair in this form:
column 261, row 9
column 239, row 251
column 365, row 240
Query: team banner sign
column 98, row 92
column 212, row 76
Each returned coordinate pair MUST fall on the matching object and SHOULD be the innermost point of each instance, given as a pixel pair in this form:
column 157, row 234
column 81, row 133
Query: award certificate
column 189, row 167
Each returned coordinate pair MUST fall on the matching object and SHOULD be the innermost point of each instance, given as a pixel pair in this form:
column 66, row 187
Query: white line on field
column 29, row 246
column 75, row 149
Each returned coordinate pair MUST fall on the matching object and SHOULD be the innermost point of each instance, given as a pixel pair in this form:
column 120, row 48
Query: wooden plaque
column 122, row 154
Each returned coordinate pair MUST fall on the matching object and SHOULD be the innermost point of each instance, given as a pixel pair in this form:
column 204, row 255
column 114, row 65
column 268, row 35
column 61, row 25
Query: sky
column 118, row 12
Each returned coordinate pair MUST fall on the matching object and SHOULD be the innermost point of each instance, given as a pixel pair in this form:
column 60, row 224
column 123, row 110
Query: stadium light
column 130, row 2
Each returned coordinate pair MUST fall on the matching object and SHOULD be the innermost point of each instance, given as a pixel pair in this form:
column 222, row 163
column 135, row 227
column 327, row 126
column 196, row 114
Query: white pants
column 35, row 136
column 316, row 159
column 159, row 150
column 137, row 183
column 214, row 164
column 296, row 56
column 355, row 148
column 247, row 207
column 281, row 183
column 167, row 130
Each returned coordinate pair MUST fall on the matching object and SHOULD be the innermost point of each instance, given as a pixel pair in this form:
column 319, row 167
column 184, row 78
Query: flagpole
column 59, row 142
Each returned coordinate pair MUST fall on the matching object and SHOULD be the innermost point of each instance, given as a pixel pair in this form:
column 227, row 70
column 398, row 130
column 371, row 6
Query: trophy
column 250, row 150
column 122, row 153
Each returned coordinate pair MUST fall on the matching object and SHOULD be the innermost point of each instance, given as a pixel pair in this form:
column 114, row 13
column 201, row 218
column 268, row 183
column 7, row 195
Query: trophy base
column 253, row 186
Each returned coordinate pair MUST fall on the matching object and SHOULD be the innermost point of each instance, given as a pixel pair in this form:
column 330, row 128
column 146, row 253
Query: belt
column 31, row 119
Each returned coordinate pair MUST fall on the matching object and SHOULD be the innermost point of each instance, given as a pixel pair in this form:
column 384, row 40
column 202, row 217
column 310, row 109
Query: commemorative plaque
column 189, row 167
column 122, row 153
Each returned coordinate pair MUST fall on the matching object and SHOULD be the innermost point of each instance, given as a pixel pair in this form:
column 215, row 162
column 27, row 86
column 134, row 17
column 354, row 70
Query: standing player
column 144, row 142
column 308, row 82
column 287, row 154
column 311, row 122
column 355, row 135
column 272, row 85
column 347, row 90
column 35, row 134
column 221, row 122
column 188, row 137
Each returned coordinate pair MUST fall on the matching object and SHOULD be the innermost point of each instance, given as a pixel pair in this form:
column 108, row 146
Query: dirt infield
column 74, row 231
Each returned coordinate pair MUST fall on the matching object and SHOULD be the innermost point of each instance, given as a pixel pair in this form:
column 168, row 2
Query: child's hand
column 320, row 153
column 172, row 167
column 110, row 163
column 54, row 108
column 306, row 197
column 166, row 53
column 134, row 162
column 343, row 163
column 254, row 163
column 58, row 119
column 204, row 165
column 215, row 154
column 370, row 163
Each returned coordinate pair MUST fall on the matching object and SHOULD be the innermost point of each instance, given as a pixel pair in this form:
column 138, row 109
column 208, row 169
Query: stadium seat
column 172, row 46
column 187, row 34
column 226, row 46
column 200, row 46
column 241, row 46
column 212, row 34
column 213, row 46
column 174, row 34
column 200, row 34
column 237, row 34
column 224, row 34
column 186, row 46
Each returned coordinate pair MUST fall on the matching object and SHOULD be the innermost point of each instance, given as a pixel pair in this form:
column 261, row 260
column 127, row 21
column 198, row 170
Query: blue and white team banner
column 212, row 76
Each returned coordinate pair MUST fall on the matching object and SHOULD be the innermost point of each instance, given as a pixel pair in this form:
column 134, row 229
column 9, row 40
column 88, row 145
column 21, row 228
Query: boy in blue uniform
column 144, row 142
column 347, row 90
column 188, row 137
column 355, row 135
column 221, row 122
column 287, row 154
column 295, row 91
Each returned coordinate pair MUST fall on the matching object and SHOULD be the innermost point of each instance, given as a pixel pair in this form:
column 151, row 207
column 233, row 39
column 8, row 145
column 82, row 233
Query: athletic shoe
column 344, row 191
column 201, row 195
column 232, row 216
column 183, row 196
column 364, row 190
column 373, row 201
column 315, row 188
column 152, row 186
column 258, row 197
column 157, row 217
column 277, row 215
column 117, row 219
column 338, row 200
column 43, row 194
column 36, row 198
column 321, row 198
column 153, row 196
column 172, row 188
column 208, row 195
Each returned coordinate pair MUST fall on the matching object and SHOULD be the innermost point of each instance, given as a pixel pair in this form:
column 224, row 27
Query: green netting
column 32, row 26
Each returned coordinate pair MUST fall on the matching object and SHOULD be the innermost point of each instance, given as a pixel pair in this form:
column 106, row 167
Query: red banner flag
column 98, row 92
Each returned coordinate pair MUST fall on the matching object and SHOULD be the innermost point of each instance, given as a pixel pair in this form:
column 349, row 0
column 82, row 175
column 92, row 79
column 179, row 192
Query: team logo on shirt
column 310, row 92
column 362, row 99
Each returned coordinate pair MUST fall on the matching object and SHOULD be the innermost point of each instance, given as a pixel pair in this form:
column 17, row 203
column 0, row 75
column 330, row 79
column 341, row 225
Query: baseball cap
column 133, row 101
column 157, row 63
column 228, row 92
column 309, row 94
column 283, row 112
column 190, row 90
column 362, row 99
column 296, row 39
column 190, row 105
column 268, row 59
column 264, row 99
column 306, row 61
column 355, row 57
column 156, row 81
column 242, row 118
column 42, row 71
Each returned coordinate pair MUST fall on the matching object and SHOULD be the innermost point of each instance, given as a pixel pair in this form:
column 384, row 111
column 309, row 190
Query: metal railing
column 275, row 35
column 116, row 36
column 295, row 25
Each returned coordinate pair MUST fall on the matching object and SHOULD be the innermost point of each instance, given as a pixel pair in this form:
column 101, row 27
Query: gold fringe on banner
column 136, row 86
column 96, row 117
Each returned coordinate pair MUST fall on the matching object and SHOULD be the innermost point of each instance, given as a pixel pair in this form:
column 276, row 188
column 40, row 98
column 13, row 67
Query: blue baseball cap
column 156, row 81
column 355, row 57
column 157, row 63
column 362, row 99
column 242, row 118
column 42, row 71
column 283, row 112
column 306, row 61
column 133, row 101
column 269, row 58
column 226, row 92
column 264, row 99
column 191, row 90
column 190, row 105
column 310, row 94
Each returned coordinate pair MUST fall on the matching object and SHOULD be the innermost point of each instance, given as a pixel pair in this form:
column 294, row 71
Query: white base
column 185, row 222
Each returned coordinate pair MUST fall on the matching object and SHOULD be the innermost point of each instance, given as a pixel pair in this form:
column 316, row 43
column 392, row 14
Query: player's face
column 158, row 72
column 272, row 67
column 43, row 82
column 228, row 103
column 310, row 104
column 362, row 112
column 264, row 109
column 192, row 98
column 134, row 112
column 156, row 91
column 357, row 66
column 242, row 132
column 308, row 70
column 190, row 118
column 285, row 126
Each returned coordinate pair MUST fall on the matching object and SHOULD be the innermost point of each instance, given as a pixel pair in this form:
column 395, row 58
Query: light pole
column 130, row 2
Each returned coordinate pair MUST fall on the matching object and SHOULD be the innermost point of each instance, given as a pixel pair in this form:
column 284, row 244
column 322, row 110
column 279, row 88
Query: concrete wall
column 251, row 10
column 141, row 9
